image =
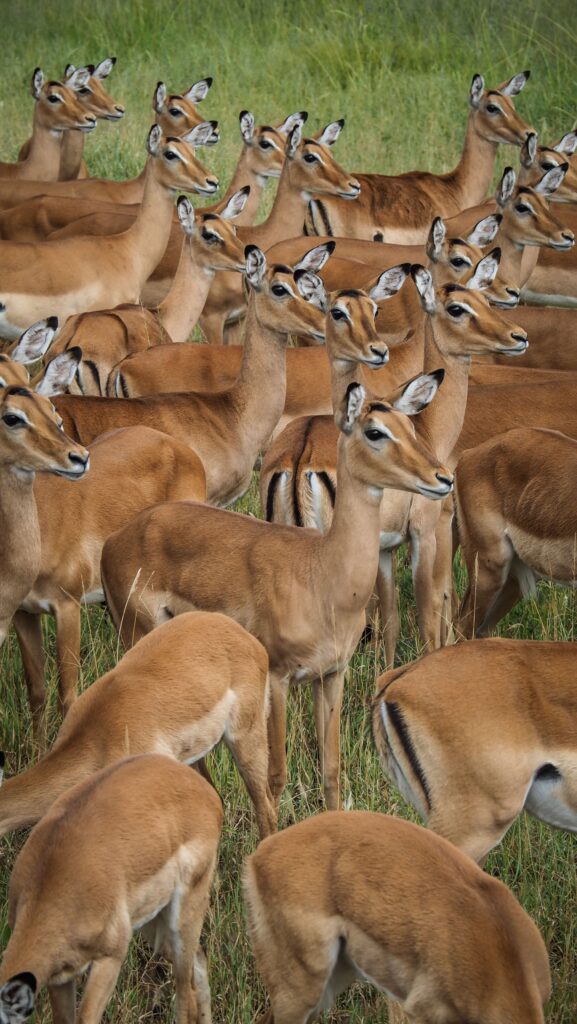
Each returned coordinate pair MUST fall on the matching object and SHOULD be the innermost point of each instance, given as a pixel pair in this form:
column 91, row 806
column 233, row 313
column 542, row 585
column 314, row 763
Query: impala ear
column 311, row 288
column 68, row 70
column 159, row 98
column 330, row 134
column 476, row 91
column 35, row 341
column 236, row 203
column 485, row 230
column 316, row 258
column 424, row 283
column 551, row 180
column 185, row 211
column 437, row 236
column 568, row 144
column 255, row 266
column 506, row 186
column 79, row 78
column 294, row 140
column 59, row 373
column 528, row 150
column 291, row 121
column 153, row 141
column 103, row 69
column 198, row 91
column 202, row 134
column 390, row 282
column 485, row 271
column 350, row 408
column 246, row 120
column 515, row 84
column 17, row 998
column 37, row 82
column 416, row 394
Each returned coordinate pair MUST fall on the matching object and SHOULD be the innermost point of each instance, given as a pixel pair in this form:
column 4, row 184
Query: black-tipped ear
column 2, row 759
column 52, row 323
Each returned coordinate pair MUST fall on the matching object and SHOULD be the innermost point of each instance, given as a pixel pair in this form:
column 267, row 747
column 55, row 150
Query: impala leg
column 67, row 651
column 488, row 575
column 427, row 596
column 277, row 771
column 509, row 595
column 328, row 696
column 387, row 591
column 250, row 752
column 187, row 957
column 29, row 632
column 63, row 1002
column 443, row 571
column 99, row 988
column 212, row 327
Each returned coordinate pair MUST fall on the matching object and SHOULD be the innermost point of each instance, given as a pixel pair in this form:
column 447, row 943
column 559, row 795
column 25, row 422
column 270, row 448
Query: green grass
column 400, row 73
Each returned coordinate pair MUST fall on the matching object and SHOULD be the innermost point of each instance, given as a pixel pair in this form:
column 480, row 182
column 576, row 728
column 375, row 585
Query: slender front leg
column 29, row 632
column 63, row 1002
column 443, row 569
column 328, row 696
column 387, row 591
column 99, row 988
column 424, row 521
column 67, row 651
column 277, row 771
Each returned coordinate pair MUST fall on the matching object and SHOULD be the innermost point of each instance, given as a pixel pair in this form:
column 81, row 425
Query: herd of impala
column 116, row 490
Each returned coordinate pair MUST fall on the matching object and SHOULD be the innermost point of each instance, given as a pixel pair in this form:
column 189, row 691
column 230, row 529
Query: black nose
column 379, row 353
column 119, row 109
column 514, row 292
column 78, row 460
column 568, row 236
column 446, row 481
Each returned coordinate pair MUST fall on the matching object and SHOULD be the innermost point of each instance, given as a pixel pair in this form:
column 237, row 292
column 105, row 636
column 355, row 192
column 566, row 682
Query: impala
column 196, row 681
column 516, row 521
column 357, row 896
column 474, row 734
column 94, row 98
column 31, row 442
column 401, row 208
column 51, row 380
column 227, row 429
column 57, row 111
column 130, row 470
column 106, row 337
column 134, row 847
column 303, row 594
column 79, row 274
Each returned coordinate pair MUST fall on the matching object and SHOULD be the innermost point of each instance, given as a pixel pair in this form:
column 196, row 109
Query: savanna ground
column 399, row 73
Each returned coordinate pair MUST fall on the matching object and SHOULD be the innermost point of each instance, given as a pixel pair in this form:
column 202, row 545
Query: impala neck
column 150, row 233
column 287, row 217
column 72, row 155
column 517, row 261
column 474, row 172
column 241, row 177
column 43, row 160
column 180, row 310
column 259, row 392
column 19, row 526
column 343, row 373
column 350, row 549
column 442, row 421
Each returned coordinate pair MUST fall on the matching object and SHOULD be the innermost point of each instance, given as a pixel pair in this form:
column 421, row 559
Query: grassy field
column 399, row 73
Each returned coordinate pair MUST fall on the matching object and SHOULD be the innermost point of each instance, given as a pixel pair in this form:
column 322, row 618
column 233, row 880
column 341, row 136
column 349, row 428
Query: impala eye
column 54, row 98
column 310, row 158
column 337, row 314
column 12, row 421
column 175, row 112
column 455, row 310
column 547, row 165
column 169, row 155
column 522, row 208
column 458, row 262
column 374, row 435
column 84, row 91
column 265, row 144
column 210, row 237
column 279, row 289
column 491, row 108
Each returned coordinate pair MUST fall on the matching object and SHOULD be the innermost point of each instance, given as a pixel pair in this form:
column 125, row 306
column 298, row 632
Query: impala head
column 213, row 236
column 351, row 331
column 536, row 161
column 174, row 160
column 32, row 345
column 290, row 300
column 382, row 447
column 32, row 439
column 93, row 95
column 527, row 219
column 455, row 259
column 176, row 113
column 265, row 144
column 17, row 998
column 311, row 167
column 493, row 113
column 58, row 107
column 464, row 323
